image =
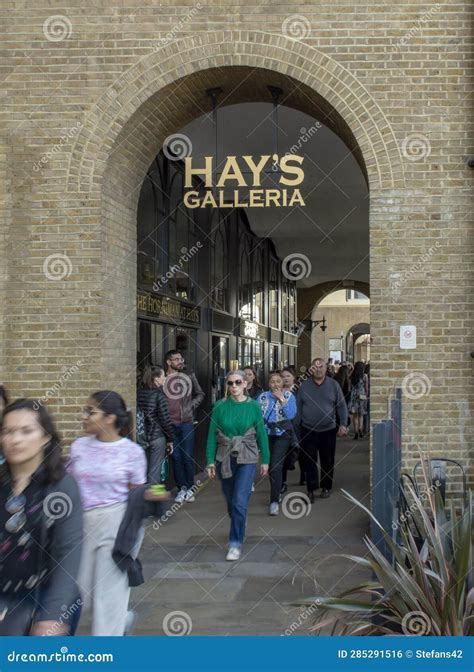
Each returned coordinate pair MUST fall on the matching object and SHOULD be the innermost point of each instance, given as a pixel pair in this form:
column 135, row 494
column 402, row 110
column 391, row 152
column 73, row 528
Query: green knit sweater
column 234, row 418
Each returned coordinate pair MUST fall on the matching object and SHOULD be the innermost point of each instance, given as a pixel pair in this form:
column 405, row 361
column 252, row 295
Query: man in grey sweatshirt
column 319, row 399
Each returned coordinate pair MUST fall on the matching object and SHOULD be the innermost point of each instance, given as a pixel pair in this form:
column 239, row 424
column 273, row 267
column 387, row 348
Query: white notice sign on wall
column 408, row 337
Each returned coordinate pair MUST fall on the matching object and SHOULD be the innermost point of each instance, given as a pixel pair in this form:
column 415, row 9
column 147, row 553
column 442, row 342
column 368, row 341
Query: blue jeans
column 183, row 462
column 237, row 490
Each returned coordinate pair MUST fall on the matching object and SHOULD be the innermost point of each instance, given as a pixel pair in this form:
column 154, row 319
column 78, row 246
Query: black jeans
column 324, row 445
column 279, row 447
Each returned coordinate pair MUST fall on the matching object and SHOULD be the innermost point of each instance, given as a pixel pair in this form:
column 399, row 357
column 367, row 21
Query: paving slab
column 284, row 558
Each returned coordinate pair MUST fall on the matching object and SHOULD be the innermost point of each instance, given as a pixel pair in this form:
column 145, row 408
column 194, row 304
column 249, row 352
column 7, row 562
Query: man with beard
column 184, row 395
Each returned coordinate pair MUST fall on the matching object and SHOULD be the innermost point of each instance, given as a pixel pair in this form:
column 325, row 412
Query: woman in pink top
column 106, row 466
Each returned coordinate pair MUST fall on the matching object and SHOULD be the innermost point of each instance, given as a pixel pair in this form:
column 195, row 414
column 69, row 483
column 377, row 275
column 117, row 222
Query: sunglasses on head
column 231, row 383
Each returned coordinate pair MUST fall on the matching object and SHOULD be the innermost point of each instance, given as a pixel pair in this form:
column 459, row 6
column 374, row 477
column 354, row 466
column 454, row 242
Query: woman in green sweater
column 236, row 437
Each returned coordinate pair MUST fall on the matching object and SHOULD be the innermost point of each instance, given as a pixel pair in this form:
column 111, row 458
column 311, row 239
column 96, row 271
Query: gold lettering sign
column 245, row 172
column 163, row 307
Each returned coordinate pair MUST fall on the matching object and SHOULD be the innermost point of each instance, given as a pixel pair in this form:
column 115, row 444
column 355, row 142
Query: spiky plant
column 428, row 590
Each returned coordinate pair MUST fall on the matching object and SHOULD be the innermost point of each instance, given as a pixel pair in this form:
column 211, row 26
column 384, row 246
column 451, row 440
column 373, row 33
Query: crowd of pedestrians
column 71, row 526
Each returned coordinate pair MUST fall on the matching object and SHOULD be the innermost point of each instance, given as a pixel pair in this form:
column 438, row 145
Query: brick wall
column 91, row 95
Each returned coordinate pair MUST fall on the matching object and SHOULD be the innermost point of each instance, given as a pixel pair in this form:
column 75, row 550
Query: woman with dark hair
column 344, row 380
column 152, row 402
column 254, row 389
column 278, row 409
column 3, row 400
column 366, row 423
column 106, row 465
column 358, row 400
column 289, row 378
column 40, row 526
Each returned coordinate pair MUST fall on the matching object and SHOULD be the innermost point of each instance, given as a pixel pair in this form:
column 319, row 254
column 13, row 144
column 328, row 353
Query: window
column 245, row 276
column 258, row 283
column 167, row 239
column 273, row 292
column 292, row 318
column 219, row 262
column 285, row 305
column 352, row 294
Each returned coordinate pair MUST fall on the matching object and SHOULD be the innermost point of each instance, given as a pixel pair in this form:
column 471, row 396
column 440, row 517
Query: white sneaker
column 274, row 509
column 253, row 487
column 181, row 496
column 233, row 553
column 189, row 496
column 130, row 623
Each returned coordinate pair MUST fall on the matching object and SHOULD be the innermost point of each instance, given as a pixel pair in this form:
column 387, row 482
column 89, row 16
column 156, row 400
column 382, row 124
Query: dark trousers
column 182, row 456
column 279, row 447
column 156, row 455
column 324, row 445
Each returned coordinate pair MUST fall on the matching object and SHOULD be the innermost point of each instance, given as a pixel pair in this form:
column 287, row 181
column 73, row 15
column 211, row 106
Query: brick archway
column 122, row 112
column 309, row 298
column 160, row 94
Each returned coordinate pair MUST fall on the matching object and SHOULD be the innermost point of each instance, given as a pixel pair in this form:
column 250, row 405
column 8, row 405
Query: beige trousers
column 104, row 587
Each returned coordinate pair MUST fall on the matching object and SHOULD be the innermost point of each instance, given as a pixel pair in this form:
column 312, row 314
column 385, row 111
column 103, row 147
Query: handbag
column 17, row 616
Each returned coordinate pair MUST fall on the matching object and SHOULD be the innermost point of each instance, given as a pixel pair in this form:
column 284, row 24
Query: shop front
column 208, row 286
column 165, row 324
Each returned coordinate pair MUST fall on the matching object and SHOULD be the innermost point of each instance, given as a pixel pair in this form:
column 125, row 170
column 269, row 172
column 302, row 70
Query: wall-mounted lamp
column 310, row 325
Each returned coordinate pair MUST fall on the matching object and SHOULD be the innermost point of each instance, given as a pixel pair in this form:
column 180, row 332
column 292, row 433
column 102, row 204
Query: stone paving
column 284, row 558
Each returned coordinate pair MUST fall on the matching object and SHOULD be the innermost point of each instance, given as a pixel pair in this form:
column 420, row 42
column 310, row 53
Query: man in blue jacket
column 320, row 401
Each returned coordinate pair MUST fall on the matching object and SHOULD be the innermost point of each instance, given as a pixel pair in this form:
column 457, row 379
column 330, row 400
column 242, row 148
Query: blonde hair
column 236, row 372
